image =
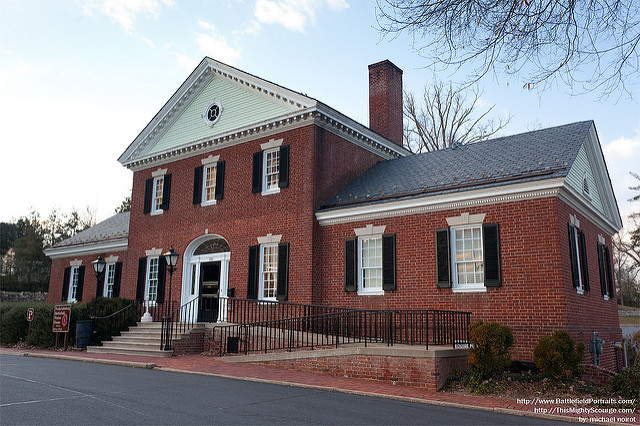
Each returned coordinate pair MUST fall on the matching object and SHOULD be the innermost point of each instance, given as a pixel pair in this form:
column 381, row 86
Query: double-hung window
column 466, row 257
column 151, row 277
column 109, row 280
column 578, row 257
column 208, row 181
column 370, row 261
column 604, row 264
column 270, row 168
column 268, row 271
column 73, row 282
column 156, row 192
column 468, row 254
column 370, row 265
column 268, row 275
column 151, row 288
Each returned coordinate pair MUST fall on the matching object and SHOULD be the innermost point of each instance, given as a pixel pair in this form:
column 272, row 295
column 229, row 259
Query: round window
column 212, row 113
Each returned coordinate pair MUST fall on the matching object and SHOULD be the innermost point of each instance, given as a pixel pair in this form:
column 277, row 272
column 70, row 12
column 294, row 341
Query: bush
column 554, row 355
column 490, row 343
column 14, row 326
column 627, row 383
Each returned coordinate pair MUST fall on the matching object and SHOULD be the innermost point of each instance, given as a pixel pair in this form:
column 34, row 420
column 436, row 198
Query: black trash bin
column 233, row 345
column 84, row 331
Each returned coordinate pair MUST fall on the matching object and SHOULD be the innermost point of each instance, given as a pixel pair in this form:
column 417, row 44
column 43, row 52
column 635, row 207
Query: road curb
column 146, row 365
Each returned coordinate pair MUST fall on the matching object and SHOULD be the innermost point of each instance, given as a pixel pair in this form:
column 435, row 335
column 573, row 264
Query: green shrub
column 490, row 343
column 14, row 326
column 554, row 355
column 627, row 383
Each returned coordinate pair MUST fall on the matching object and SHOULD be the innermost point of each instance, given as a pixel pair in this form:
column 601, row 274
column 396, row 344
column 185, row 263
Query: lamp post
column 171, row 258
column 98, row 268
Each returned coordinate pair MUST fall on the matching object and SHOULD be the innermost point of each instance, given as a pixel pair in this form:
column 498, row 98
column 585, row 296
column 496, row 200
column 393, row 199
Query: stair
column 142, row 340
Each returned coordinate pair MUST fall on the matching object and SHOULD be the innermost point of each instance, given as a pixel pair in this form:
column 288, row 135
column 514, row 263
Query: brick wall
column 535, row 281
column 56, row 275
column 427, row 373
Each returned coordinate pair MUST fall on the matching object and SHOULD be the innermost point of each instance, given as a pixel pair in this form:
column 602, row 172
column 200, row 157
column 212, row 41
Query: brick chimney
column 385, row 100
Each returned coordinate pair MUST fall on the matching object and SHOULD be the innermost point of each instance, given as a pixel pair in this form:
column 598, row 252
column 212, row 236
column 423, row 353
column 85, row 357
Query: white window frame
column 456, row 286
column 109, row 279
column 147, row 283
column 266, row 190
column 362, row 290
column 576, row 239
column 74, row 278
column 156, row 201
column 213, row 168
column 263, row 272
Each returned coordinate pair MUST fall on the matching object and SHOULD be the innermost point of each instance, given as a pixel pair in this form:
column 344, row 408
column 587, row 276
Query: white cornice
column 447, row 201
column 577, row 201
column 353, row 132
column 88, row 248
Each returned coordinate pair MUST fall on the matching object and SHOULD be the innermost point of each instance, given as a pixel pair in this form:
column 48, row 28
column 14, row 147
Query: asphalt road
column 49, row 391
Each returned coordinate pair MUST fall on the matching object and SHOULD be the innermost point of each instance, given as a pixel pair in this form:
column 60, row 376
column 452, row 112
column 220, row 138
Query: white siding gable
column 242, row 106
column 575, row 178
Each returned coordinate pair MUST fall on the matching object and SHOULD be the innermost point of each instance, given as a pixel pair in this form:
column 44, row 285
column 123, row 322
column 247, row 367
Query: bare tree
column 445, row 115
column 589, row 44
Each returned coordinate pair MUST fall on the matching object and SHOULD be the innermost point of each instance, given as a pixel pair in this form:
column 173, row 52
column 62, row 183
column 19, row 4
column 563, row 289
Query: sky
column 80, row 79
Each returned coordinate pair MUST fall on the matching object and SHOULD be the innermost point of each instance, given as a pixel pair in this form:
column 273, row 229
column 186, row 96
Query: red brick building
column 268, row 194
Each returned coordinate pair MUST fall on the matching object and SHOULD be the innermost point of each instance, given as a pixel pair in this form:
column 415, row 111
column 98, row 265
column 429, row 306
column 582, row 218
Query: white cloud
column 215, row 45
column 293, row 14
column 125, row 12
column 148, row 41
column 623, row 156
column 186, row 62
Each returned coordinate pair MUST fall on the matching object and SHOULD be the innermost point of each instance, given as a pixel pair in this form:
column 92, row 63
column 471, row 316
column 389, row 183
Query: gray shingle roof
column 536, row 155
column 116, row 227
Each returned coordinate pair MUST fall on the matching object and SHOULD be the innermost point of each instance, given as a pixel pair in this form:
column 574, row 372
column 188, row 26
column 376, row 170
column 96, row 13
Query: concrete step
column 126, row 350
column 136, row 339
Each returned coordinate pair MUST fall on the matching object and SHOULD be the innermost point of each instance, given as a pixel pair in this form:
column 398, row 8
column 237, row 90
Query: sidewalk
column 207, row 365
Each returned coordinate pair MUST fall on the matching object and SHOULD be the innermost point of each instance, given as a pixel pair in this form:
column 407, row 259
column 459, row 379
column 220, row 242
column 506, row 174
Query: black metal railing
column 178, row 321
column 412, row 327
column 109, row 325
column 156, row 309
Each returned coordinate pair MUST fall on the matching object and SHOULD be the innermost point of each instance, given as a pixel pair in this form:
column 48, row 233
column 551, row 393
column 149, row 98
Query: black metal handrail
column 178, row 321
column 413, row 327
column 116, row 321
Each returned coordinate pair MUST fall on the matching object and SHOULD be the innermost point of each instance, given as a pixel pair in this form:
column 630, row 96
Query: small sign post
column 61, row 320
column 30, row 314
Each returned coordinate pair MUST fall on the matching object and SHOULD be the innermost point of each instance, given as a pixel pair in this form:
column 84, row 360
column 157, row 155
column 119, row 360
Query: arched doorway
column 205, row 276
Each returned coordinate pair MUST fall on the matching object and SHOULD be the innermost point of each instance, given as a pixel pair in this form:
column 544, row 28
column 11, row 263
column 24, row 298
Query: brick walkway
column 200, row 364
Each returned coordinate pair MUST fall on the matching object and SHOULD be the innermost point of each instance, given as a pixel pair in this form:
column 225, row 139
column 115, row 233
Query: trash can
column 84, row 330
column 233, row 344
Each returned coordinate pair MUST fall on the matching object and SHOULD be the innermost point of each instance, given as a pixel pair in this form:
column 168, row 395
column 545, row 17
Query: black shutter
column 197, row 185
column 284, row 167
column 573, row 253
column 65, row 284
column 584, row 264
column 166, row 192
column 142, row 278
column 100, row 283
column 389, row 262
column 350, row 265
column 253, row 272
column 601, row 267
column 491, row 235
column 219, row 181
column 162, row 273
column 256, row 183
column 80, row 284
column 282, row 289
column 148, row 193
column 116, row 280
column 607, row 257
column 443, row 270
